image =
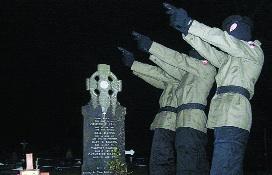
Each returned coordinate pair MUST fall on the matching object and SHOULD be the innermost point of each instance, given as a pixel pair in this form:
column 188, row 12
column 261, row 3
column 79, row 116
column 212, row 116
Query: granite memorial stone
column 103, row 123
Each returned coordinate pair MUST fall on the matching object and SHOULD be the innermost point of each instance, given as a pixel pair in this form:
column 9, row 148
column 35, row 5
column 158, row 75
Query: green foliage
column 117, row 165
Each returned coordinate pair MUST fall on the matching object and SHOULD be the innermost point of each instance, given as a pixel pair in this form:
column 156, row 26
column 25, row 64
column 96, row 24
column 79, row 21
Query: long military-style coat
column 193, row 81
column 239, row 64
column 158, row 78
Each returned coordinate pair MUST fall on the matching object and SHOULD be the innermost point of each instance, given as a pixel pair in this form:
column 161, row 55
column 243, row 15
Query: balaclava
column 238, row 26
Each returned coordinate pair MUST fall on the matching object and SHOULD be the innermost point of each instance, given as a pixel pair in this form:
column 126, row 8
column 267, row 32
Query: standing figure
column 179, row 141
column 239, row 62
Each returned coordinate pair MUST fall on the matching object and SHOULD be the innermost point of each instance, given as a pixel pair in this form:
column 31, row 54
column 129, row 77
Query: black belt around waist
column 191, row 106
column 233, row 89
column 183, row 107
column 168, row 108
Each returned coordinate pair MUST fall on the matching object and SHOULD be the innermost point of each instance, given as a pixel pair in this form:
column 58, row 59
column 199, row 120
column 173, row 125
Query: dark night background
column 49, row 48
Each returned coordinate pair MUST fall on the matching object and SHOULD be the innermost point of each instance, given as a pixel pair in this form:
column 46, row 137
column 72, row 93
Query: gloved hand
column 127, row 57
column 143, row 42
column 179, row 18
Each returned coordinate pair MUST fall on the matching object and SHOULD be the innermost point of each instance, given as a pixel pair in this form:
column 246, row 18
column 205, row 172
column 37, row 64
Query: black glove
column 179, row 18
column 127, row 57
column 143, row 42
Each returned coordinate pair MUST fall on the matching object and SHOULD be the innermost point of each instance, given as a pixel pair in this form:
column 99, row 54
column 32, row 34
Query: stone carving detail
column 104, row 86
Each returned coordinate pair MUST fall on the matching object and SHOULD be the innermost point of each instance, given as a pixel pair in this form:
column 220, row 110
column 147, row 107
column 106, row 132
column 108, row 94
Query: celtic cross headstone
column 103, row 131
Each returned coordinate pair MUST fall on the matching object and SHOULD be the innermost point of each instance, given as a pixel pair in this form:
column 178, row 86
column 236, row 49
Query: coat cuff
column 198, row 28
column 156, row 49
column 136, row 66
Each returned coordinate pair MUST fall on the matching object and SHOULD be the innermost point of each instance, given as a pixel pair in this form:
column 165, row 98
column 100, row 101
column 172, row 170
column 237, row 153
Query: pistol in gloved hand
column 143, row 42
column 179, row 18
column 127, row 57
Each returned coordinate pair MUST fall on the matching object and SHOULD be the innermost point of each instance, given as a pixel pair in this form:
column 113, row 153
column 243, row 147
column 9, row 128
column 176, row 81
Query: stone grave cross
column 103, row 124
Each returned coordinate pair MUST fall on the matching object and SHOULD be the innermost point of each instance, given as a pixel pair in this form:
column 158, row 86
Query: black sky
column 49, row 48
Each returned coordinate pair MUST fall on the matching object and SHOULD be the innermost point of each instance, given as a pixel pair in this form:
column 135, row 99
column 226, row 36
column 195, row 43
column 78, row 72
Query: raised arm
column 153, row 82
column 179, row 60
column 210, row 53
column 144, row 44
column 227, row 43
column 152, row 74
column 172, row 70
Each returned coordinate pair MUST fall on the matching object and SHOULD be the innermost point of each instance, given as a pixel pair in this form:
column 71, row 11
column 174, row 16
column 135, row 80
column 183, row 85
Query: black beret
column 236, row 18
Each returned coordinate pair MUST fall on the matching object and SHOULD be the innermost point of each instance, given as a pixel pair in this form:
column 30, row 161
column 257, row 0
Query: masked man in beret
column 239, row 61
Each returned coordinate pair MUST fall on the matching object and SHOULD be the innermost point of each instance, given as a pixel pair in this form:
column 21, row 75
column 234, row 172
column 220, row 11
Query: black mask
column 238, row 26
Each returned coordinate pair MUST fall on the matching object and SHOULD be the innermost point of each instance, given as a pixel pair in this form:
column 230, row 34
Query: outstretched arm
column 179, row 60
column 180, row 20
column 150, row 80
column 152, row 74
column 214, row 56
column 227, row 43
column 172, row 70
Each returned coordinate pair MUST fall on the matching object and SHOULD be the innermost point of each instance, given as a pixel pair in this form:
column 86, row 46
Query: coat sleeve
column 180, row 61
column 170, row 69
column 153, row 75
column 210, row 53
column 227, row 43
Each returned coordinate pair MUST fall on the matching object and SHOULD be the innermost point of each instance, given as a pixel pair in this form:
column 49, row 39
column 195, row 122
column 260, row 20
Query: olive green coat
column 239, row 63
column 192, row 83
column 158, row 78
